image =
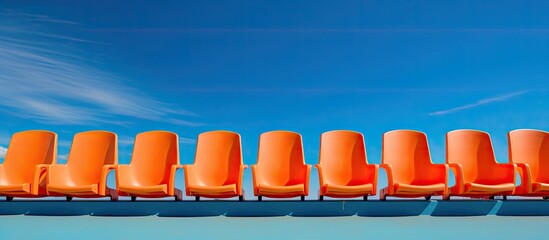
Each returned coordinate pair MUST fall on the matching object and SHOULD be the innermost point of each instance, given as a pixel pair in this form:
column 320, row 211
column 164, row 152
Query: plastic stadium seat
column 24, row 169
column 93, row 154
column 470, row 155
column 217, row 170
column 529, row 150
column 343, row 167
column 410, row 171
column 281, row 171
column 151, row 172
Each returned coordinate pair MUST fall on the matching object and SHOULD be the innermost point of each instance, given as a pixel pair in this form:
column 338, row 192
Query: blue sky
column 256, row 66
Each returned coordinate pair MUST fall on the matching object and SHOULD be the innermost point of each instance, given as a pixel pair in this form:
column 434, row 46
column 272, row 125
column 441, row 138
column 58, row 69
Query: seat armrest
column 171, row 184
column 188, row 171
column 514, row 170
column 525, row 176
column 320, row 175
column 374, row 168
column 39, row 178
column 240, row 190
column 458, row 174
column 104, row 175
column 307, row 176
column 390, row 178
column 255, row 179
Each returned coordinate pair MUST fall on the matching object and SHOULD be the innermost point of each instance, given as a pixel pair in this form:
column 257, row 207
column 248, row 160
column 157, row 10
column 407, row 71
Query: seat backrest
column 154, row 153
column 343, row 157
column 531, row 147
column 280, row 159
column 218, row 158
column 90, row 151
column 407, row 151
column 26, row 150
column 473, row 150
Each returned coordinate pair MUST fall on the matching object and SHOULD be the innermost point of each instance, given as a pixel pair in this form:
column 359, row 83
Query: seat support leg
column 427, row 198
column 69, row 198
column 197, row 198
column 365, row 197
column 321, row 198
column 259, row 198
column 383, row 195
column 133, row 198
column 178, row 195
column 241, row 198
column 302, row 198
column 9, row 199
column 113, row 194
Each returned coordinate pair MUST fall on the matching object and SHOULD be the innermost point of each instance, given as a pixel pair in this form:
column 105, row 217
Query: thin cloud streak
column 314, row 30
column 36, row 17
column 186, row 140
column 125, row 140
column 64, row 143
column 3, row 152
column 324, row 90
column 45, row 80
column 478, row 103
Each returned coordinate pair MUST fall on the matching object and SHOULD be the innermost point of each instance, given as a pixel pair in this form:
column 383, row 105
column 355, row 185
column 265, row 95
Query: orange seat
column 151, row 172
column 410, row 171
column 343, row 167
column 529, row 150
column 470, row 155
column 280, row 171
column 24, row 169
column 217, row 170
column 93, row 154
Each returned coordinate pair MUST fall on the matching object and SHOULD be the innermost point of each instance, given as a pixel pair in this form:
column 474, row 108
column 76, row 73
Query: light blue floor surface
column 286, row 227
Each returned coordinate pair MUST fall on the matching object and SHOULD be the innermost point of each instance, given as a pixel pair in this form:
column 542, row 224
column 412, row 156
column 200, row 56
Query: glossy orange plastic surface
column 410, row 171
column 343, row 167
column 23, row 172
column 281, row 171
column 151, row 172
column 529, row 150
column 93, row 154
column 470, row 155
column 218, row 168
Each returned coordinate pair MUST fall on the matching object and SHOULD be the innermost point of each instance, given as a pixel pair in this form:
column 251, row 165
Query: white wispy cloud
column 45, row 77
column 479, row 103
column 186, row 140
column 3, row 152
column 62, row 157
column 125, row 140
column 64, row 143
